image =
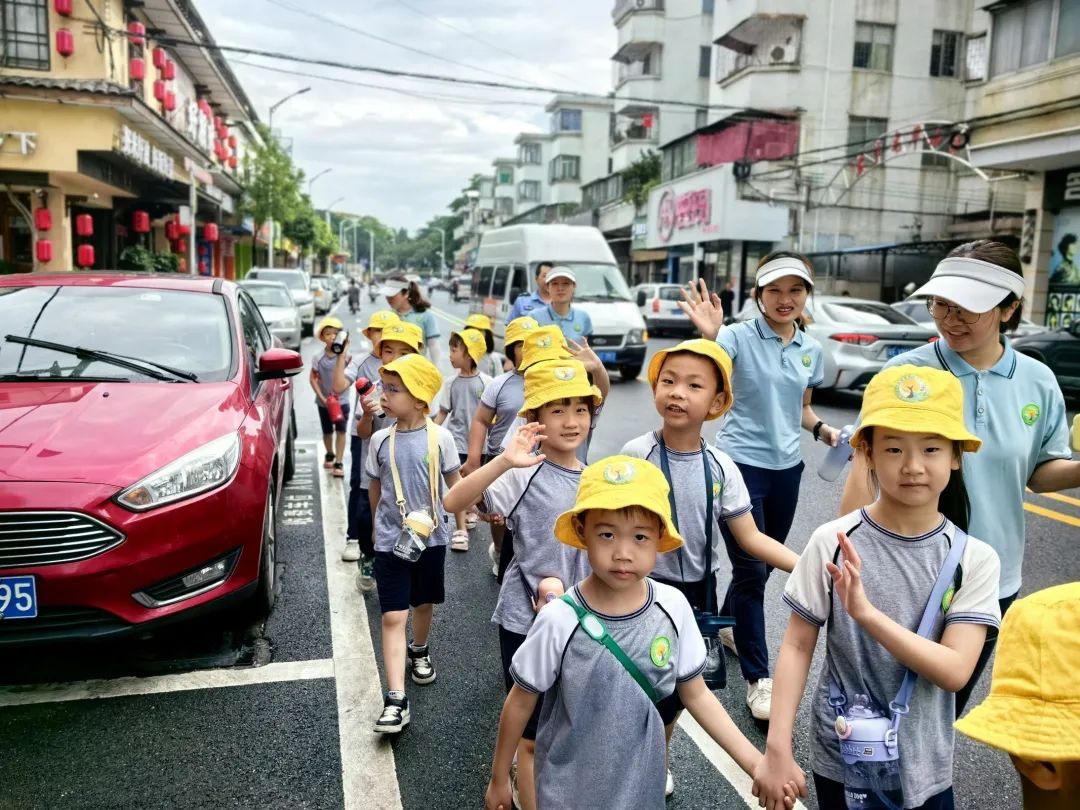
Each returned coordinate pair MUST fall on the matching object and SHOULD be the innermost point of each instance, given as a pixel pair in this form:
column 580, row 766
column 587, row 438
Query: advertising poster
column 1063, row 294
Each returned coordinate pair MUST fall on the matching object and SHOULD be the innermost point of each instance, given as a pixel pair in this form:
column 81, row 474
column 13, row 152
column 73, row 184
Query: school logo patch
column 947, row 597
column 912, row 388
column 660, row 651
column 619, row 473
column 806, row 361
column 716, row 489
column 577, row 328
column 543, row 342
column 565, row 373
column 1030, row 413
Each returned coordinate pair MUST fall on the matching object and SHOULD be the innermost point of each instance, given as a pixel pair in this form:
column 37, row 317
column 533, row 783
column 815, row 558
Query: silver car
column 659, row 306
column 857, row 336
column 915, row 308
column 278, row 310
column 297, row 281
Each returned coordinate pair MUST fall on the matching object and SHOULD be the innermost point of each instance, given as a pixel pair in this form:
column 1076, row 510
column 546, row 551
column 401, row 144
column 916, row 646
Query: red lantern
column 85, row 256
column 218, row 124
column 170, row 101
column 159, row 89
column 140, row 222
column 63, row 7
column 185, row 230
column 233, row 162
column 160, row 58
column 65, row 42
column 43, row 250
column 181, row 246
column 172, row 230
column 232, row 141
column 210, row 232
column 43, row 219
column 170, row 70
column 84, row 225
column 204, row 106
column 136, row 33
column 137, row 69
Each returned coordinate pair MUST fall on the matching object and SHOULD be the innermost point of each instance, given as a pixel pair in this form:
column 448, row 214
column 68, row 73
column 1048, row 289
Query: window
column 483, row 282
column 701, row 118
column 704, row 61
column 679, row 159
column 873, row 46
column 945, row 53
column 1068, row 28
column 862, row 132
column 707, row 6
column 529, row 190
column 975, row 59
column 504, row 206
column 24, row 34
column 505, row 177
column 1021, row 36
column 566, row 121
column 529, row 153
column 498, row 286
column 565, row 167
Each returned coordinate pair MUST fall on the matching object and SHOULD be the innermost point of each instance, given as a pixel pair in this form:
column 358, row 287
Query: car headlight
column 635, row 336
column 202, row 469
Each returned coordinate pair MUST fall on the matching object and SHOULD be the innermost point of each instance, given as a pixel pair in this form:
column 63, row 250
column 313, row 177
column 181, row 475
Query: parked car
column 320, row 293
column 857, row 336
column 1059, row 349
column 917, row 311
column 658, row 304
column 278, row 310
column 298, row 283
column 461, row 287
column 146, row 433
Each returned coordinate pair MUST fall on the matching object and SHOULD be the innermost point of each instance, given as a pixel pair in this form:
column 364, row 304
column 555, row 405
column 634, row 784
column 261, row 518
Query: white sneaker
column 351, row 552
column 494, row 560
column 669, row 785
column 759, row 698
column 727, row 638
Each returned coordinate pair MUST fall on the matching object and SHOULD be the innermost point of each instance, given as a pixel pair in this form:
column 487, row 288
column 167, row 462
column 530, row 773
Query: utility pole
column 442, row 251
column 270, row 199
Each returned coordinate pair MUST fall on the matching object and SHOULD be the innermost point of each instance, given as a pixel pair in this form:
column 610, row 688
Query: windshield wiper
column 147, row 367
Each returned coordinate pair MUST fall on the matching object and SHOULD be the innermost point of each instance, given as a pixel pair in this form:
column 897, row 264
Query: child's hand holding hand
column 498, row 795
column 847, row 580
column 519, row 453
column 704, row 308
column 778, row 780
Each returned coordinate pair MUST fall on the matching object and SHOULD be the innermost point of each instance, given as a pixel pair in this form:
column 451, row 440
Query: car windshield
column 183, row 330
column 291, row 279
column 269, row 296
column 599, row 282
column 865, row 312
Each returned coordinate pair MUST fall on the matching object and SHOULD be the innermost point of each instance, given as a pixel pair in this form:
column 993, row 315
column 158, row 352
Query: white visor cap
column 389, row 290
column 778, row 268
column 973, row 284
column 560, row 272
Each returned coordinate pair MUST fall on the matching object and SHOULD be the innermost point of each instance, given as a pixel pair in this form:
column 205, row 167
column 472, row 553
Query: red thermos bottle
column 364, row 386
column 333, row 407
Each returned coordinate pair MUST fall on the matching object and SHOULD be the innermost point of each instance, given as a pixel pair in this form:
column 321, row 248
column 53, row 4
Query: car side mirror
column 277, row 364
column 641, row 298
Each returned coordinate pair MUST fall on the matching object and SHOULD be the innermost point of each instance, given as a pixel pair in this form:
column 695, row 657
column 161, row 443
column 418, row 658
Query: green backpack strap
column 595, row 630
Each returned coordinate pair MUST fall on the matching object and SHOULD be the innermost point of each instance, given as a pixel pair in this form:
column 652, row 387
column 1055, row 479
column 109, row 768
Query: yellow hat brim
column 558, row 391
column 670, row 539
column 917, row 420
column 416, row 383
column 1027, row 727
column 475, row 350
column 702, row 350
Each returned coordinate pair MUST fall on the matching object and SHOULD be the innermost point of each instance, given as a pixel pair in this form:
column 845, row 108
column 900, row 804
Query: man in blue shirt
column 574, row 323
column 527, row 302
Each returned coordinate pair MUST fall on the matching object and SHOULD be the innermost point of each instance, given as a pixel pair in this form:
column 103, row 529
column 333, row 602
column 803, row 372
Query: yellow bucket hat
column 543, row 343
column 557, row 379
column 916, row 399
column 403, row 332
column 380, row 319
column 710, row 350
column 419, row 375
column 478, row 321
column 475, row 342
column 519, row 327
column 1033, row 709
column 617, row 482
column 329, row 323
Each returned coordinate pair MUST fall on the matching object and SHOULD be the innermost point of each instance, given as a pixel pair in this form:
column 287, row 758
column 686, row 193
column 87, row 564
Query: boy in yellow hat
column 406, row 462
column 329, row 378
column 358, row 544
column 529, row 489
column 1033, row 711
column 601, row 734
column 691, row 385
column 902, row 562
column 492, row 363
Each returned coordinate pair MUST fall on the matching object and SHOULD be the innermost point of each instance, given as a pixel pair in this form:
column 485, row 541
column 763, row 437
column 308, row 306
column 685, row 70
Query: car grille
column 605, row 340
column 60, row 623
column 47, row 538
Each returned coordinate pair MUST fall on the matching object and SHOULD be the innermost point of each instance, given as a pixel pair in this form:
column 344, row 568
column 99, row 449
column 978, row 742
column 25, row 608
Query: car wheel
column 263, row 599
column 289, row 470
column 630, row 372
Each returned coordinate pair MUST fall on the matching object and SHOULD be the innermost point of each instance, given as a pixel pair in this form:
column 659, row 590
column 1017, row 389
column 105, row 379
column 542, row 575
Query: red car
column 146, row 431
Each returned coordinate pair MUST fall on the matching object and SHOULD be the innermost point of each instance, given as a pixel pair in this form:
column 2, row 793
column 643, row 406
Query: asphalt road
column 231, row 713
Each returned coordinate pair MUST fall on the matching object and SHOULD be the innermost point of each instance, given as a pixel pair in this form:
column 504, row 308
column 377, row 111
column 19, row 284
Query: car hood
column 108, row 433
column 612, row 317
column 300, row 296
column 274, row 314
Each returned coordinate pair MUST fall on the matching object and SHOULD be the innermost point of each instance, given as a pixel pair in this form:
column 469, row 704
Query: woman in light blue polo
column 775, row 367
column 1011, row 402
column 405, row 298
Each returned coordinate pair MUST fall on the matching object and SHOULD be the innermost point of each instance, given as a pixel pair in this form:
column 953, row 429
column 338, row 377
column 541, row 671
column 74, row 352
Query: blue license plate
column 606, row 357
column 18, row 598
column 892, row 351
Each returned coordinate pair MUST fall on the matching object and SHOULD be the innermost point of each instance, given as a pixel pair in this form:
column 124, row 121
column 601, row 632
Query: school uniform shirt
column 411, row 448
column 491, row 364
column 575, row 325
column 524, row 305
column 730, row 499
column 599, row 734
column 531, row 499
column 504, row 395
column 898, row 574
column 324, row 365
column 769, row 380
column 1017, row 409
column 366, row 366
column 458, row 398
column 426, row 321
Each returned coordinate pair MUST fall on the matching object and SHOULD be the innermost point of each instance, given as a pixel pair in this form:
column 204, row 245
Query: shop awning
column 648, row 255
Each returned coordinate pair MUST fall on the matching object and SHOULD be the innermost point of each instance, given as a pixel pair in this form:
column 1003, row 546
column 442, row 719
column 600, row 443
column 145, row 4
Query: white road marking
column 180, row 682
column 368, row 773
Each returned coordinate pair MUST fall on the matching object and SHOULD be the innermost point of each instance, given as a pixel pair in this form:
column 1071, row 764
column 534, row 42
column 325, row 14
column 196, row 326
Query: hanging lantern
column 210, row 232
column 170, row 70
column 170, row 101
column 172, row 230
column 43, row 219
column 159, row 89
column 160, row 58
column 65, row 42
column 218, row 125
column 84, row 256
column 185, row 230
column 63, row 7
column 137, row 69
column 84, row 225
column 181, row 246
column 204, row 107
column 43, row 250
column 140, row 222
column 136, row 33
column 233, row 162
column 232, row 142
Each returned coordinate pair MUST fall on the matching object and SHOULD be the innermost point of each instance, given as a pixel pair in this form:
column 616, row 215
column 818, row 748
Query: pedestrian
column 527, row 302
column 691, row 384
column 871, row 576
column 1012, row 402
column 528, row 485
column 329, row 378
column 775, row 367
column 359, row 546
column 1033, row 711
column 727, row 298
column 600, row 734
column 405, row 298
column 560, row 311
column 458, row 401
column 493, row 363
column 406, row 462
column 354, row 296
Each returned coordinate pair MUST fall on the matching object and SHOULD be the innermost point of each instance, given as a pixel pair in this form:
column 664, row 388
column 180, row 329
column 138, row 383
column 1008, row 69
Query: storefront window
column 24, row 34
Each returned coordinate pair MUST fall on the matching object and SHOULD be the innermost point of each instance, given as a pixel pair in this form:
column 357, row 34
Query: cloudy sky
column 402, row 156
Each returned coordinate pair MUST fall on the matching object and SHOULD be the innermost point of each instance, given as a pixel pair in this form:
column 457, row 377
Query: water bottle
column 838, row 456
column 715, row 672
column 871, row 766
column 416, row 528
column 364, row 386
column 338, row 346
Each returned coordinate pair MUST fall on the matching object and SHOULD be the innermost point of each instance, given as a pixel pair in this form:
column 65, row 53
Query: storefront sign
column 24, row 142
column 199, row 128
column 1063, row 273
column 687, row 210
column 1062, row 189
column 139, row 149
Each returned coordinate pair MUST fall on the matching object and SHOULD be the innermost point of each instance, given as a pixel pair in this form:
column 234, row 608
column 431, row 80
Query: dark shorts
column 508, row 645
column 831, row 794
column 330, row 427
column 403, row 584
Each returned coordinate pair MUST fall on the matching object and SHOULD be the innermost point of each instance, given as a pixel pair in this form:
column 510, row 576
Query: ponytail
column 416, row 298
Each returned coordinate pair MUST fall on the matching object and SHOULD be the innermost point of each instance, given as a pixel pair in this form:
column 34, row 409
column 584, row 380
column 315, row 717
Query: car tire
column 630, row 372
column 265, row 591
column 289, row 468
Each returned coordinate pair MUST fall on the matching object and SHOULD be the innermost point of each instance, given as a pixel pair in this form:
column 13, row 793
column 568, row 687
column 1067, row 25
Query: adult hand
column 703, row 308
column 847, row 579
column 829, row 435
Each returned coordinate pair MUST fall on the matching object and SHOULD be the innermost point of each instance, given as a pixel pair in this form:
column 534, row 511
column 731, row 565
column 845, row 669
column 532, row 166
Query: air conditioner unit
column 782, row 54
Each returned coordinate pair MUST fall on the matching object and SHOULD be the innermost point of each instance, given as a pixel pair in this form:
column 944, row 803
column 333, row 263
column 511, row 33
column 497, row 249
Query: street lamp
column 329, row 207
column 316, row 177
column 442, row 250
column 344, row 228
column 371, row 253
column 270, row 126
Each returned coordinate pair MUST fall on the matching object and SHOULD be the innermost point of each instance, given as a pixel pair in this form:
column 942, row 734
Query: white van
column 506, row 267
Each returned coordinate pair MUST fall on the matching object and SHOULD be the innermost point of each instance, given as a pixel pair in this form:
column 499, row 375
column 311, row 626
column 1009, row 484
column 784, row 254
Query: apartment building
column 533, row 155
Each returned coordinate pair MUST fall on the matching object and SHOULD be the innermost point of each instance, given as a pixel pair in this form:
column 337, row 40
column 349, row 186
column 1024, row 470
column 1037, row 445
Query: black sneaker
column 419, row 661
column 394, row 717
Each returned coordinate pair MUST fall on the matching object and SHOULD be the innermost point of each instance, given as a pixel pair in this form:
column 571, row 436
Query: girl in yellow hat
column 492, row 363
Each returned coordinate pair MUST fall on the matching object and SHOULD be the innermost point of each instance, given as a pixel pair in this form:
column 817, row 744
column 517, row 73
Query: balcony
column 642, row 127
column 624, row 8
column 760, row 43
column 645, row 66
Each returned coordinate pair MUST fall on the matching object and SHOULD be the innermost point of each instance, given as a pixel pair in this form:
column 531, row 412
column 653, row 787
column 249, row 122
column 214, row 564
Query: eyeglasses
column 940, row 310
column 392, row 389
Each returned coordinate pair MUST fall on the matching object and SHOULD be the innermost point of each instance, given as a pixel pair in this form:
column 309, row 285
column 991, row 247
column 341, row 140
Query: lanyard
column 433, row 470
column 665, row 467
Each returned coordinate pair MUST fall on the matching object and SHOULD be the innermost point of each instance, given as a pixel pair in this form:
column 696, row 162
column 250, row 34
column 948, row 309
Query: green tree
column 271, row 184
column 640, row 177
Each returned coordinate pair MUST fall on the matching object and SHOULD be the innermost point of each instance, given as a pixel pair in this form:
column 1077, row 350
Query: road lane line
column 1057, row 496
column 180, row 682
column 453, row 320
column 1060, row 517
column 368, row 773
